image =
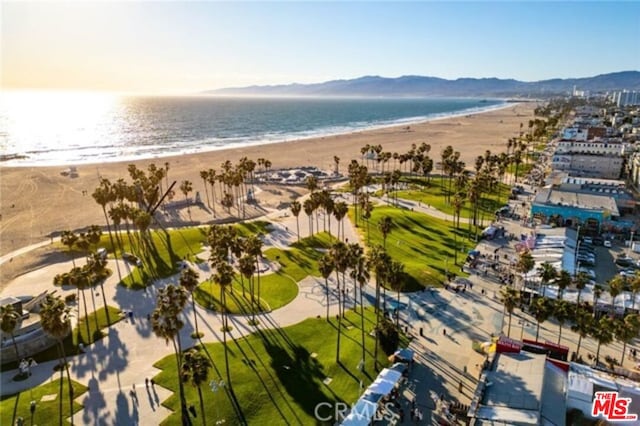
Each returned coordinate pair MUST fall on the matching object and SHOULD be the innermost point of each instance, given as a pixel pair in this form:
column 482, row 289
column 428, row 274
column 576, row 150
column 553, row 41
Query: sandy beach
column 38, row 201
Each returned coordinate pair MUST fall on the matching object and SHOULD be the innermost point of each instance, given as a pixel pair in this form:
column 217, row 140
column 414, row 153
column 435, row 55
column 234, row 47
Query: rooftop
column 549, row 196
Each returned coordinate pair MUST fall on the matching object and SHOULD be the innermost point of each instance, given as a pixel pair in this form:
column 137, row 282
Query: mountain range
column 433, row 86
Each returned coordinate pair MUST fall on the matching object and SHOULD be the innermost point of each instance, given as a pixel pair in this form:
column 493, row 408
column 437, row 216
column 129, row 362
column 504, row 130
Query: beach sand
column 37, row 201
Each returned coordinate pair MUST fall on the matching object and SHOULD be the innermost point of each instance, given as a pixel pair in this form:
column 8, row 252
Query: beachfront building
column 608, row 187
column 565, row 208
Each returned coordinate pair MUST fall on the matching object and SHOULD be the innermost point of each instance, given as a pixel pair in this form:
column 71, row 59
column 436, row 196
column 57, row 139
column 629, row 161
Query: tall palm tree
column 69, row 239
column 616, row 286
column 561, row 314
column 510, row 298
column 395, row 279
column 309, row 207
column 189, row 279
column 247, row 267
column 295, row 210
column 360, row 273
column 195, row 370
column 563, row 281
column 339, row 255
column 9, row 320
column 635, row 287
column 55, row 321
column 580, row 281
column 603, row 332
column 253, row 247
column 525, row 264
column 384, row 226
column 541, row 311
column 626, row 330
column 223, row 276
column 597, row 292
column 326, row 266
column 340, row 210
column 547, row 273
column 204, row 174
column 166, row 323
column 583, row 324
column 79, row 278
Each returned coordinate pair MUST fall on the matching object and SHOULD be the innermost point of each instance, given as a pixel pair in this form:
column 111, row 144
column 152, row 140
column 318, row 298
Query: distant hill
column 411, row 85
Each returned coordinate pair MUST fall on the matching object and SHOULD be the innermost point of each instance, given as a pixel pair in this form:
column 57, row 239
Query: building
column 626, row 97
column 594, row 186
column 566, row 208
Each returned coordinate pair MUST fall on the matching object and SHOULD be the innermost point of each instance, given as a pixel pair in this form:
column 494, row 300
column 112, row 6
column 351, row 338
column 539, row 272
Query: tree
column 339, row 255
column 166, row 323
column 295, row 210
column 616, row 285
column 546, row 272
column 326, row 266
column 69, row 239
column 635, row 287
column 525, row 265
column 189, row 279
column 395, row 280
column 561, row 314
column 309, row 207
column 336, row 160
column 9, row 320
column 541, row 311
column 384, row 226
column 580, row 281
column 603, row 332
column 583, row 324
column 204, row 175
column 626, row 330
column 195, row 370
column 360, row 273
column 340, row 210
column 563, row 281
column 597, row 292
column 186, row 187
column 223, row 276
column 378, row 260
column 55, row 321
column 510, row 298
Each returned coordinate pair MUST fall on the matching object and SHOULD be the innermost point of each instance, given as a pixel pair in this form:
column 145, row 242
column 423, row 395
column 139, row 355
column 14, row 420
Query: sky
column 182, row 47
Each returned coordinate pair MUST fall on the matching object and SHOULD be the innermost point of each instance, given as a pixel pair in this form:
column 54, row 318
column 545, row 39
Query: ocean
column 38, row 129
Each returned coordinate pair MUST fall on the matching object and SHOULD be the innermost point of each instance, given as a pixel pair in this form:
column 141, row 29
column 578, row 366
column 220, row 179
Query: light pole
column 215, row 387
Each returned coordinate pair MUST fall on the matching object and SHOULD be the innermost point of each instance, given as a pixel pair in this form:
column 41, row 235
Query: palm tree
column 186, row 187
column 69, row 239
column 525, row 265
column 295, row 210
column 616, row 285
column 339, row 255
column 55, row 321
column 581, row 280
column 541, row 311
column 326, row 265
column 378, row 260
column 78, row 278
column 166, row 323
column 195, row 370
column 510, row 298
column 384, row 226
column 635, row 287
column 360, row 273
column 224, row 277
column 189, row 280
column 9, row 320
column 561, row 314
column 247, row 267
column 395, row 279
column 563, row 281
column 204, row 174
column 583, row 324
column 336, row 160
column 547, row 273
column 253, row 247
column 340, row 210
column 626, row 330
column 309, row 207
column 597, row 292
column 603, row 332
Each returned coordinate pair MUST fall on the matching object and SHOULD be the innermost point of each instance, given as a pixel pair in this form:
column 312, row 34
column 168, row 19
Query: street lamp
column 32, row 408
column 215, row 387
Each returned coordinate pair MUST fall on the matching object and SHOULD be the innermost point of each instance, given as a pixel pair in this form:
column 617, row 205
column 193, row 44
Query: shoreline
column 38, row 201
column 21, row 159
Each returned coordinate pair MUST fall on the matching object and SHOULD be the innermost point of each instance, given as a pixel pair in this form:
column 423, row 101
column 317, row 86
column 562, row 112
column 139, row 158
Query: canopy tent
column 361, row 413
column 399, row 366
column 381, row 386
column 390, row 375
column 405, row 354
column 372, row 396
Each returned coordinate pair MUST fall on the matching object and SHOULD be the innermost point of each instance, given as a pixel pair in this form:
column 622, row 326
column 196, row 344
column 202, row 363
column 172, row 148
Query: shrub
column 389, row 336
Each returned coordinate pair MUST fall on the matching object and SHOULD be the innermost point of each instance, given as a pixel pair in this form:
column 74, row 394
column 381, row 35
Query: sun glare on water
column 31, row 121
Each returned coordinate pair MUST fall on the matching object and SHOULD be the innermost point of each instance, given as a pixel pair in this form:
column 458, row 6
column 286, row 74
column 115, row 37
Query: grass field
column 47, row 412
column 276, row 289
column 161, row 258
column 425, row 245
column 435, row 192
column 275, row 377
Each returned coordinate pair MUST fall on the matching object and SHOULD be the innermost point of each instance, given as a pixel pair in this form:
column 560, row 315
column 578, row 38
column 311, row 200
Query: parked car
column 587, row 240
column 128, row 257
column 607, row 243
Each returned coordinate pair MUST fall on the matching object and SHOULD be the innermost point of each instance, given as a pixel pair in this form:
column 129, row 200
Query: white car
column 607, row 243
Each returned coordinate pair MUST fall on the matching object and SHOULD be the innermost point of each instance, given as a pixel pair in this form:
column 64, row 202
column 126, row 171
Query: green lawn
column 276, row 289
column 167, row 249
column 97, row 321
column 434, row 194
column 275, row 379
column 523, row 169
column 47, row 412
column 425, row 245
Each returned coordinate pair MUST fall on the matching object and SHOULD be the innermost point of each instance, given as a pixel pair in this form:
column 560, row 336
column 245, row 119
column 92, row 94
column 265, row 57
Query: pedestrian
column 148, row 317
column 444, row 331
column 153, row 382
column 146, row 382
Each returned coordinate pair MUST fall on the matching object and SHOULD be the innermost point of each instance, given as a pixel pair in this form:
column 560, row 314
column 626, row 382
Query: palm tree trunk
column 398, row 311
column 537, row 331
column 509, row 329
column 204, row 421
column 86, row 317
column 362, row 327
column 66, row 367
column 195, row 317
column 298, row 227
column 224, row 334
column 560, row 334
column 183, row 403
column 377, row 312
column 326, row 289
column 598, row 352
column 624, row 348
column 15, row 346
column 579, row 343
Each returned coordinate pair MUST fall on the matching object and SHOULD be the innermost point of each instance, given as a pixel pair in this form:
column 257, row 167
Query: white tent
column 390, row 375
column 381, row 386
column 361, row 413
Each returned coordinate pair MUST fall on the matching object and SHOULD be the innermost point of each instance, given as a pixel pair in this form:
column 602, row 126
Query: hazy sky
column 187, row 46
